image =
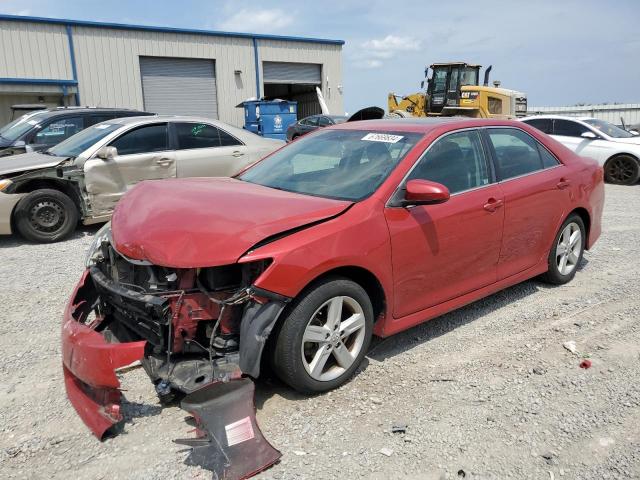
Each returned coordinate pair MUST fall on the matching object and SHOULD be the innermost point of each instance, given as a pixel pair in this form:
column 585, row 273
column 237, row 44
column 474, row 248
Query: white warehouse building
column 161, row 69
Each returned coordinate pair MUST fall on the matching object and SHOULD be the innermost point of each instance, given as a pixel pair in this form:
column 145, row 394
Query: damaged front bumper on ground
column 194, row 343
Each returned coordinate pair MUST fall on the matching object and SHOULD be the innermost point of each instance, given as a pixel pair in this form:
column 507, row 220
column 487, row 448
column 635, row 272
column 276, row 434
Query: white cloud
column 372, row 53
column 257, row 21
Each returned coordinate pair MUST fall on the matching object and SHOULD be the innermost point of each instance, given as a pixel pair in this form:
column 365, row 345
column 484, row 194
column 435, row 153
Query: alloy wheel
column 333, row 338
column 621, row 170
column 569, row 248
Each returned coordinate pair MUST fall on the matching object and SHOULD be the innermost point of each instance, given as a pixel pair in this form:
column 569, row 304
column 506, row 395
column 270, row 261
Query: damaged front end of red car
column 198, row 333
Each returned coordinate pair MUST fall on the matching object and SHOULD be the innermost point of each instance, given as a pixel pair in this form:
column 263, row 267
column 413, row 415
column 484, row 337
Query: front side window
column 608, row 128
column 197, row 135
column 147, row 139
column 568, row 128
column 342, row 164
column 542, row 124
column 457, row 161
column 516, row 152
column 310, row 121
column 58, row 130
column 74, row 146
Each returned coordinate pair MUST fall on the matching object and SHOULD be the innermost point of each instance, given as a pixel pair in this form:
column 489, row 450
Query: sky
column 559, row 52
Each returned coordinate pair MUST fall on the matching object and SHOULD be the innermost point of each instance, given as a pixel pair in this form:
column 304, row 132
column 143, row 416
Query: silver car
column 44, row 194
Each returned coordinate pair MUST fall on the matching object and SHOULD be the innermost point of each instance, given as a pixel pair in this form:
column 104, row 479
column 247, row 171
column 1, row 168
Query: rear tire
column 324, row 336
column 622, row 170
column 566, row 252
column 46, row 216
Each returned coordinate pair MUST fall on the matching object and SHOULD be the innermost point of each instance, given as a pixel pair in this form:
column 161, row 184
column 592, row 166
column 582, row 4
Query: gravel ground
column 487, row 391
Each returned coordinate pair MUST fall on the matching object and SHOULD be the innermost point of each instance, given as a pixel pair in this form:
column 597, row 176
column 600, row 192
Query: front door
column 143, row 153
column 443, row 251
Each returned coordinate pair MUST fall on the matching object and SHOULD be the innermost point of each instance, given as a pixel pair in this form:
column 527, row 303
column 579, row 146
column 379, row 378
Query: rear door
column 144, row 153
column 443, row 251
column 204, row 150
column 535, row 187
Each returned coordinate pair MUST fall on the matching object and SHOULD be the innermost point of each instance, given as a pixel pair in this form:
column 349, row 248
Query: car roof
column 556, row 117
column 53, row 112
column 424, row 125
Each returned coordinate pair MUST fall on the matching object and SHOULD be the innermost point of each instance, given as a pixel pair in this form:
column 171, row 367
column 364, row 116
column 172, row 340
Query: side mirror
column 589, row 135
column 19, row 144
column 635, row 133
column 424, row 192
column 107, row 153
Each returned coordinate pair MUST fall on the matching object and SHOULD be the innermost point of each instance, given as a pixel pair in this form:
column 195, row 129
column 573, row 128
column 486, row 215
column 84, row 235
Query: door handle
column 237, row 153
column 493, row 204
column 164, row 162
column 563, row 183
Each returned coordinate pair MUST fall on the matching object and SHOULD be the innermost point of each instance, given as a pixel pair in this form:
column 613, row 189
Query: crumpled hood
column 28, row 161
column 204, row 222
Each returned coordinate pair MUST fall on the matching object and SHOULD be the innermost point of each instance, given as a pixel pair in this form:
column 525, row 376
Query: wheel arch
column 68, row 188
column 363, row 277
column 584, row 215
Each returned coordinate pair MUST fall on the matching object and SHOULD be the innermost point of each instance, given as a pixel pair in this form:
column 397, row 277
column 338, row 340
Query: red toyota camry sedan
column 366, row 228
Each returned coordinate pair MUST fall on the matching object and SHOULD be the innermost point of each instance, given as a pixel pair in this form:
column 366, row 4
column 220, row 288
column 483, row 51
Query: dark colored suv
column 42, row 129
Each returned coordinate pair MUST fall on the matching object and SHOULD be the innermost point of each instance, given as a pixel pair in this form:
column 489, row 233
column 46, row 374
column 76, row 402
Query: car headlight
column 4, row 184
column 95, row 249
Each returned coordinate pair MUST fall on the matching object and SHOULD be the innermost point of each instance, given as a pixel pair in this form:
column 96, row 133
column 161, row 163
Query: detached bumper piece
column 89, row 364
column 229, row 441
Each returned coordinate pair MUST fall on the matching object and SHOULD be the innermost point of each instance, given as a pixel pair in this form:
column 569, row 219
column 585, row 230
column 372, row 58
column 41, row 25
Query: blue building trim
column 256, row 58
column 74, row 70
column 39, row 81
column 150, row 28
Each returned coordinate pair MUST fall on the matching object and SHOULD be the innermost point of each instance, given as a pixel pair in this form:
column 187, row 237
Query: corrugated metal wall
column 327, row 55
column 630, row 112
column 34, row 50
column 108, row 67
column 114, row 79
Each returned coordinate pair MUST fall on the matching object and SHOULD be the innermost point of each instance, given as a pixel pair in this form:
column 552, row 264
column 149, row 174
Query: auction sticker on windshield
column 382, row 137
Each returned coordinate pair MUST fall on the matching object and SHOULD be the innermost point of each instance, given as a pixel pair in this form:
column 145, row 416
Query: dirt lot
column 486, row 392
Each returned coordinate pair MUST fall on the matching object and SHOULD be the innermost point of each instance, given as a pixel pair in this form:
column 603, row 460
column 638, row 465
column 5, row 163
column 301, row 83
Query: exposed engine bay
column 203, row 329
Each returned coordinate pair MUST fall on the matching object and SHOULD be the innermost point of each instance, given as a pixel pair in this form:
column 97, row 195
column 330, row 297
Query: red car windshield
column 342, row 164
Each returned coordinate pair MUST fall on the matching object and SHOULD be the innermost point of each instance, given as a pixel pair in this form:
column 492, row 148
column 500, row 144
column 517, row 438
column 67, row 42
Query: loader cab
column 443, row 87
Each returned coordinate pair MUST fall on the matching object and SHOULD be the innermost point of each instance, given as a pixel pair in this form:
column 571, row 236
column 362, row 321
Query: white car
column 617, row 150
column 44, row 194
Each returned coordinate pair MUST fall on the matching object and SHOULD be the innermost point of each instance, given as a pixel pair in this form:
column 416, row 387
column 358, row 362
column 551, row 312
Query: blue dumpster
column 270, row 118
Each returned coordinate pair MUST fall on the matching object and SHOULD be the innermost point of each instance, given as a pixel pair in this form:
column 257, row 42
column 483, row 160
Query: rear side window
column 311, row 121
column 457, row 161
column 568, row 128
column 197, row 135
column 93, row 119
column 58, row 130
column 542, row 124
column 516, row 152
column 147, row 139
column 324, row 121
column 228, row 140
column 548, row 160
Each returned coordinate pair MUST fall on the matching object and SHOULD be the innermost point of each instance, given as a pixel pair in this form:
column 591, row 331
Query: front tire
column 324, row 336
column 46, row 216
column 622, row 170
column 567, row 250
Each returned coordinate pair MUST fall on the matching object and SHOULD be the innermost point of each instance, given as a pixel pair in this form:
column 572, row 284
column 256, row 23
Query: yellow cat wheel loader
column 454, row 89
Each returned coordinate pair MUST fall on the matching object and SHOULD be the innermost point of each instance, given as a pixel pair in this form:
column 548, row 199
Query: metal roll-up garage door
column 179, row 86
column 291, row 73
